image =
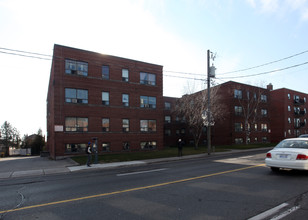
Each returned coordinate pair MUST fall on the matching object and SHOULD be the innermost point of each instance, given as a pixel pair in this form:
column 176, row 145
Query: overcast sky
column 173, row 33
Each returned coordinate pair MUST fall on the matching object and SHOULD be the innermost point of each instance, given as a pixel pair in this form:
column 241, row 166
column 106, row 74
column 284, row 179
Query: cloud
column 281, row 8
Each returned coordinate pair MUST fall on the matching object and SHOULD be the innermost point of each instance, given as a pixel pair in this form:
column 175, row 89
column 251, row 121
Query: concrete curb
column 74, row 167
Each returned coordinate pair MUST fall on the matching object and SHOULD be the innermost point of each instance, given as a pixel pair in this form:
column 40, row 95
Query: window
column 183, row 131
column 238, row 110
column 125, row 99
column 263, row 127
column 238, row 127
column 74, row 124
column 264, row 112
column 106, row 146
column 147, row 78
column 105, row 98
column 147, row 102
column 147, row 125
column 105, row 124
column 238, row 140
column 125, row 75
column 148, row 145
column 167, row 119
column 238, row 94
column 289, row 108
column 76, row 67
column 297, row 110
column 289, row 120
column 75, row 148
column 263, row 98
column 105, row 72
column 126, row 146
column 76, row 96
column 289, row 96
column 167, row 105
column 125, row 125
column 167, row 132
column 256, row 127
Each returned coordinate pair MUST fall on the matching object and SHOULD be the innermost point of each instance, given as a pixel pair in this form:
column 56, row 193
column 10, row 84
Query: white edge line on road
column 284, row 214
column 269, row 212
column 140, row 172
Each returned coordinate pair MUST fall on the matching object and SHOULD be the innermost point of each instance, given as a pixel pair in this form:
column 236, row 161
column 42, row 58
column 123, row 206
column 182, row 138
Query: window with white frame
column 106, row 124
column 147, row 78
column 106, row 146
column 148, row 125
column 147, row 102
column 105, row 98
column 75, row 148
column 264, row 112
column 264, row 127
column 238, row 127
column 238, row 94
column 76, row 124
column 76, row 67
column 76, row 96
column 148, row 145
column 125, row 75
column 168, row 119
column 238, row 110
column 263, row 98
column 125, row 100
column 125, row 125
column 167, row 105
column 105, row 72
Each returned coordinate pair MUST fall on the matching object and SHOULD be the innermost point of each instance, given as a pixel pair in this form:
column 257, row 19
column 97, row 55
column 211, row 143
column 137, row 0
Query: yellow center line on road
column 128, row 190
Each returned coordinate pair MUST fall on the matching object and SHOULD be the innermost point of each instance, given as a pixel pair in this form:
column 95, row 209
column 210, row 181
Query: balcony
column 299, row 101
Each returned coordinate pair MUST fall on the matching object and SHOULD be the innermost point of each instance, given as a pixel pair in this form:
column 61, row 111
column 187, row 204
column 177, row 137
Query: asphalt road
column 236, row 186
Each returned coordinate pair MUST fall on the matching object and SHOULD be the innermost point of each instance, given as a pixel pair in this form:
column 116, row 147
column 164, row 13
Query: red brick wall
column 94, row 110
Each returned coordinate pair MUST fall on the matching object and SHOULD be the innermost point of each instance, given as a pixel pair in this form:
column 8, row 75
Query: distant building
column 112, row 101
column 289, row 114
column 230, row 127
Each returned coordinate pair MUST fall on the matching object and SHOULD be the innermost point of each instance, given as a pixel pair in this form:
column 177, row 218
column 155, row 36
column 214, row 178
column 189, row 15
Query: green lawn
column 167, row 152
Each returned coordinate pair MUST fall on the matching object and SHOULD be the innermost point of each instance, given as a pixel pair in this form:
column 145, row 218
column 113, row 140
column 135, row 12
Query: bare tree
column 192, row 107
column 249, row 108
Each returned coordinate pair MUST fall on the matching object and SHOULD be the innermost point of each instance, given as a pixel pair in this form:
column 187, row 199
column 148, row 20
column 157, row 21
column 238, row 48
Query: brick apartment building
column 292, row 118
column 114, row 102
column 118, row 104
column 234, row 99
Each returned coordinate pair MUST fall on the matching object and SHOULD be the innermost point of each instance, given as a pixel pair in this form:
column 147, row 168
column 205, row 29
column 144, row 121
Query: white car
column 290, row 153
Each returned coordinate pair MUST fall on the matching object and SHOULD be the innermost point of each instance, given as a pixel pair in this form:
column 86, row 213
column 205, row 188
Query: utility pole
column 208, row 105
column 210, row 73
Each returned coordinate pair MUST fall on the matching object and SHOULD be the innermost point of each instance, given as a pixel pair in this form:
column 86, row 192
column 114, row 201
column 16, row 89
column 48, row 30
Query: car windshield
column 293, row 144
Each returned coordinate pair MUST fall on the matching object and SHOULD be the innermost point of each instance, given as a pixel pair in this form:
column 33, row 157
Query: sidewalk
column 13, row 167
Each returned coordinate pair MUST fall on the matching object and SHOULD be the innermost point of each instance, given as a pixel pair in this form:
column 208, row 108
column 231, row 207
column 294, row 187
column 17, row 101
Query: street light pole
column 208, row 105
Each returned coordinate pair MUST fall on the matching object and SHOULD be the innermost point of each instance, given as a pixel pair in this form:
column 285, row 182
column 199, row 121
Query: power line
column 183, row 77
column 38, row 56
column 20, row 51
column 265, row 64
column 263, row 73
column 197, row 74
column 23, row 55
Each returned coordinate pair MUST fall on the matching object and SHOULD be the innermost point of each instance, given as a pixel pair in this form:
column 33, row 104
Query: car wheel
column 275, row 169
